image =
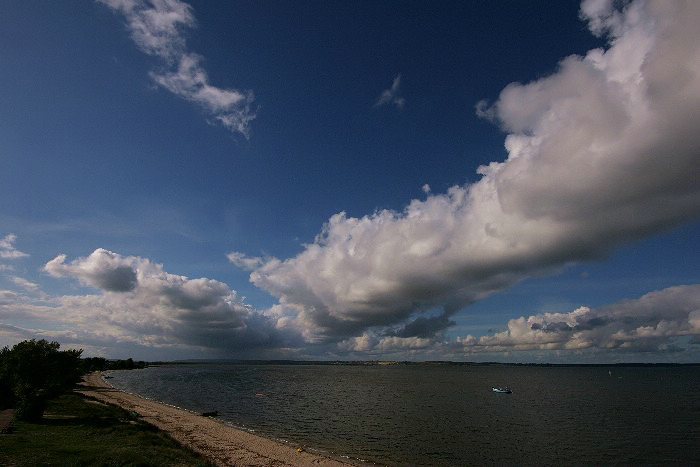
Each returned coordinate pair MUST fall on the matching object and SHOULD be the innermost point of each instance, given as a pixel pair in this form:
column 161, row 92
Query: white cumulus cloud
column 102, row 269
column 602, row 152
column 138, row 302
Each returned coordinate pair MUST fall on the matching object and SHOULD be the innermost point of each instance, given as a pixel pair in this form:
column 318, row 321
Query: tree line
column 34, row 371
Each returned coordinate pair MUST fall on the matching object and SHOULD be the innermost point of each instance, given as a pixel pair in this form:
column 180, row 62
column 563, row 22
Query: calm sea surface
column 448, row 415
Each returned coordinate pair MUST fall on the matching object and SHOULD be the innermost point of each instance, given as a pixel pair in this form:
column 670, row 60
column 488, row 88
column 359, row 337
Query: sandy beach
column 217, row 442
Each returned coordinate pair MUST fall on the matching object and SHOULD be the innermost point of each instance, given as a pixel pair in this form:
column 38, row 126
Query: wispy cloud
column 32, row 287
column 248, row 263
column 8, row 250
column 27, row 285
column 14, row 331
column 158, row 28
column 391, row 96
column 8, row 296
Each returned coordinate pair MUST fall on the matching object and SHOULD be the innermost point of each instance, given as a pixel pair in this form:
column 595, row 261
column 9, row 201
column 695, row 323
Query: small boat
column 505, row 390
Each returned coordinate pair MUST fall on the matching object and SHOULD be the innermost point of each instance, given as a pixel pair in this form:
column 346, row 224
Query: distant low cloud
column 600, row 153
column 658, row 323
column 158, row 29
column 391, row 96
column 373, row 344
column 8, row 250
column 652, row 323
column 165, row 312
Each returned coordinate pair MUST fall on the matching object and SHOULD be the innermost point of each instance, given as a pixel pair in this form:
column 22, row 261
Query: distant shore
column 217, row 442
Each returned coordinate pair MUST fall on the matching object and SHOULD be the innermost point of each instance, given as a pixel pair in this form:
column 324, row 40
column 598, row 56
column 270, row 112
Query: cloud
column 602, row 152
column 102, row 269
column 158, row 27
column 27, row 285
column 8, row 296
column 424, row 327
column 372, row 344
column 391, row 95
column 653, row 322
column 8, row 250
column 140, row 303
column 14, row 331
column 203, row 316
column 244, row 262
column 482, row 109
column 601, row 15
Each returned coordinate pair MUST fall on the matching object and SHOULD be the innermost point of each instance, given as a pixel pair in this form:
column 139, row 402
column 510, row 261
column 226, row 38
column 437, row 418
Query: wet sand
column 218, row 443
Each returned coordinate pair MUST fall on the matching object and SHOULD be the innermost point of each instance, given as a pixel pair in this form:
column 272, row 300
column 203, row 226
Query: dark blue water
column 448, row 415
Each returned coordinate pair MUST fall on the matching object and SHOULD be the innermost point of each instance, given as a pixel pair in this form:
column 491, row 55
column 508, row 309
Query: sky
column 479, row 181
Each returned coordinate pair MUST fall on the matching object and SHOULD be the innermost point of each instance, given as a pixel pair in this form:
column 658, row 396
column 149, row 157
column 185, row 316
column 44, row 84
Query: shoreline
column 217, row 442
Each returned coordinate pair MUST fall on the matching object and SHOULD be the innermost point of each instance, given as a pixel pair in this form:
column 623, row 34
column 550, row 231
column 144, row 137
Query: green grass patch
column 76, row 431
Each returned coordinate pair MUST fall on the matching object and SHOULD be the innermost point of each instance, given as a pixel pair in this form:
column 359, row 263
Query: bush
column 30, row 405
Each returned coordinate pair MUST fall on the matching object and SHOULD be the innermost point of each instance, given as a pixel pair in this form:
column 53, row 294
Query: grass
column 76, row 431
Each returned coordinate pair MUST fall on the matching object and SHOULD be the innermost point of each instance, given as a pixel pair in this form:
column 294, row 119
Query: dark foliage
column 101, row 364
column 34, row 371
column 78, row 432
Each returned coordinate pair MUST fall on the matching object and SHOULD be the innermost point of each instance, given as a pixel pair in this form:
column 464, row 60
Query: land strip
column 220, row 444
column 78, row 431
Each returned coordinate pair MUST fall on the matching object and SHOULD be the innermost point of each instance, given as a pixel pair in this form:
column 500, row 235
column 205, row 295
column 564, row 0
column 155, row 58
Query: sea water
column 448, row 415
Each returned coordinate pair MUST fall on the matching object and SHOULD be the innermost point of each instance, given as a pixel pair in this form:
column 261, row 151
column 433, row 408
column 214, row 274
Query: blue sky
column 137, row 134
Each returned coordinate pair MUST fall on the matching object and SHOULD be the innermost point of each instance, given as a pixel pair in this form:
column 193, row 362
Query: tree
column 33, row 371
column 6, row 394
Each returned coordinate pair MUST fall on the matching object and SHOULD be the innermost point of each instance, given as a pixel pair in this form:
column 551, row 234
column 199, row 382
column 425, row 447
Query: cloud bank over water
column 139, row 303
column 133, row 303
column 659, row 323
column 602, row 152
column 650, row 323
